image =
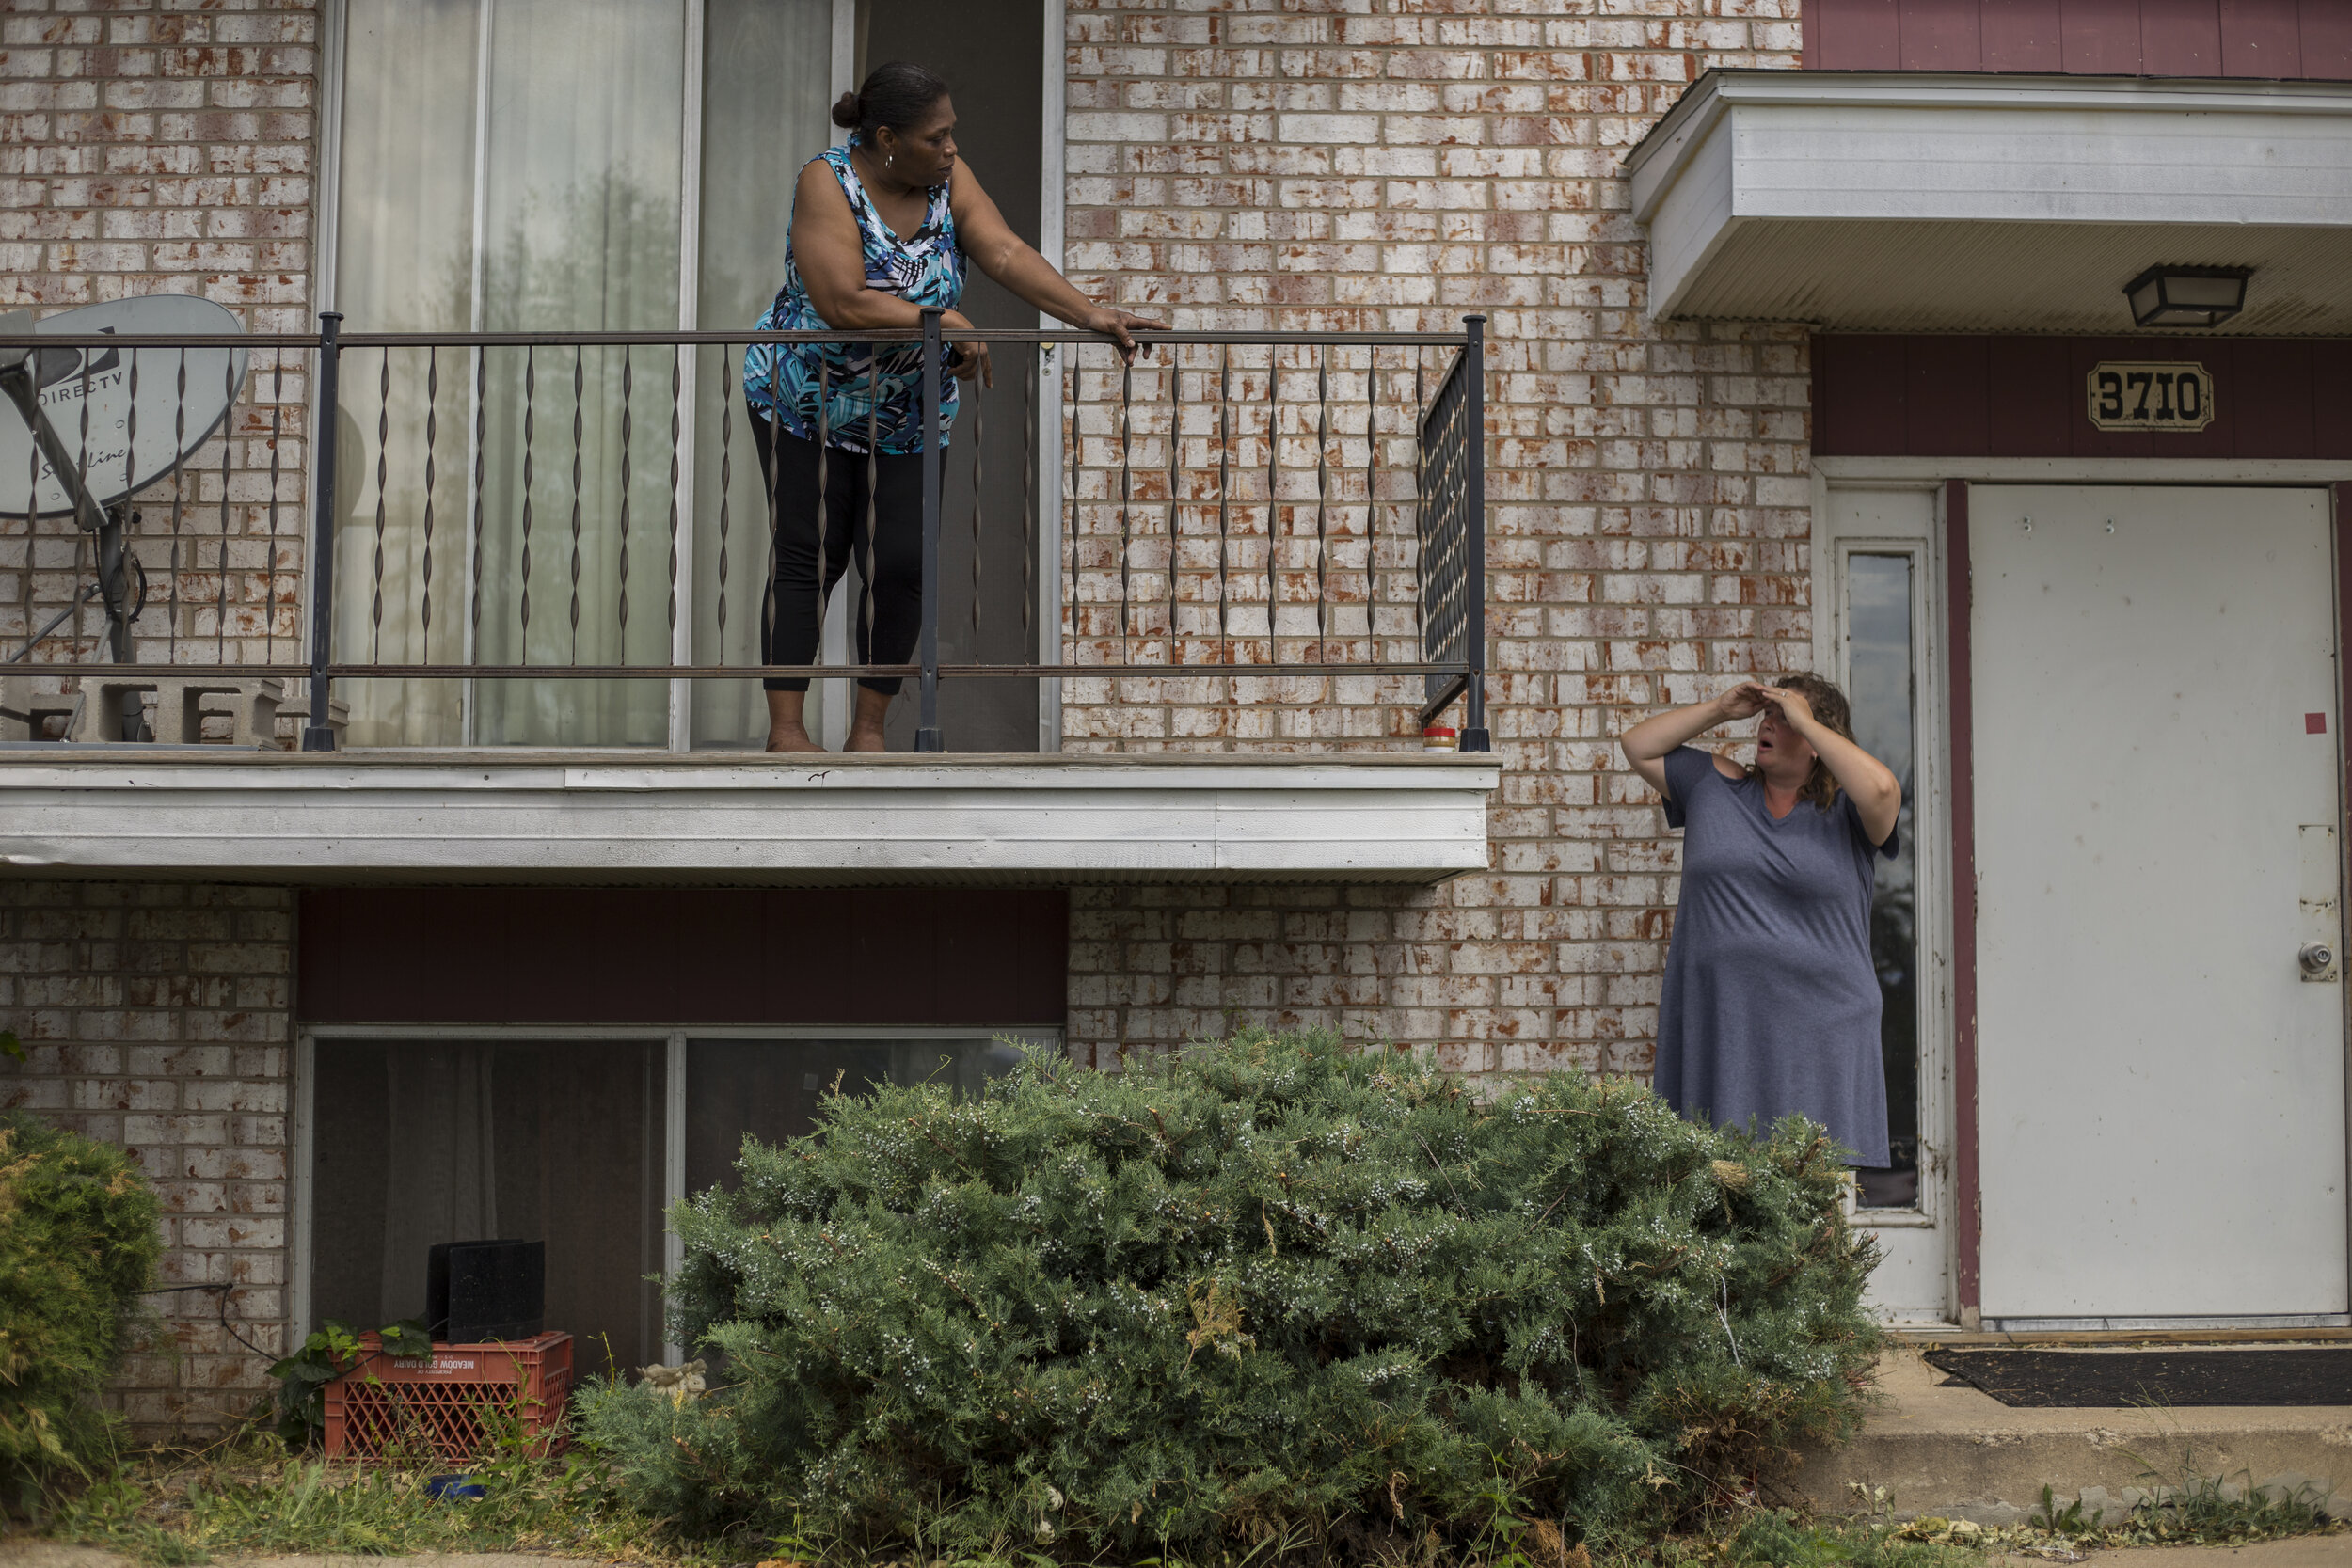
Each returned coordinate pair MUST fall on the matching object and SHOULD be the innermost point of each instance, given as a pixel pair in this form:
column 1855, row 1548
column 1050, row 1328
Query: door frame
column 1914, row 538
column 1946, row 718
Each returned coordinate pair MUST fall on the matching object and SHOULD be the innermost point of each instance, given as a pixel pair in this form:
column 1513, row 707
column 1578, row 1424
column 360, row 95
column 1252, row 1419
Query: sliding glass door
column 555, row 165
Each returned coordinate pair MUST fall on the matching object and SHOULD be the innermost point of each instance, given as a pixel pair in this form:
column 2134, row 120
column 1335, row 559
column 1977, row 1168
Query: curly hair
column 1836, row 714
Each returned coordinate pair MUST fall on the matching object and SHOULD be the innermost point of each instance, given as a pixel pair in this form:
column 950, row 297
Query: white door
column 2160, row 1089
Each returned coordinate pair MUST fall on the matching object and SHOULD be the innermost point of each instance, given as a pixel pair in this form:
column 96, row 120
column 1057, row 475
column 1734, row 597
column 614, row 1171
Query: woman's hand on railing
column 1119, row 326
column 967, row 360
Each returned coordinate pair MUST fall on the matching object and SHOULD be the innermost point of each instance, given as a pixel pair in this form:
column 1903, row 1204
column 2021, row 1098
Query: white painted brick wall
column 1310, row 164
column 168, row 146
column 158, row 1017
column 1345, row 166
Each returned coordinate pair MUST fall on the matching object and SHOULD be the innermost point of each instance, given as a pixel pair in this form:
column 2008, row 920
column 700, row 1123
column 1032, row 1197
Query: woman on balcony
column 1771, row 1003
column 880, row 229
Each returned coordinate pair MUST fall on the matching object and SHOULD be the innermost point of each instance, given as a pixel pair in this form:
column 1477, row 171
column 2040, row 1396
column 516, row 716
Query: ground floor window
column 770, row 1089
column 582, row 1143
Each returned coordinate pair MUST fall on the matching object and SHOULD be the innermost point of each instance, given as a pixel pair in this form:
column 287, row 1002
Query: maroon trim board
column 1909, row 395
column 861, row 956
column 2278, row 38
column 2341, row 495
column 1968, row 1218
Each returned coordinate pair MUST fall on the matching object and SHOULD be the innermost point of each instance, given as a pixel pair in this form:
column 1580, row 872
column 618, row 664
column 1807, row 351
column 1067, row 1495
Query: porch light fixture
column 2187, row 296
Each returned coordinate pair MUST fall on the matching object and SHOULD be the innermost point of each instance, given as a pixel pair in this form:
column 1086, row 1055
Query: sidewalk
column 1959, row 1452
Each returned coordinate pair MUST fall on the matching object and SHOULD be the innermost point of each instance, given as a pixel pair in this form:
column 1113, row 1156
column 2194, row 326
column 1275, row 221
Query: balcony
column 1251, row 562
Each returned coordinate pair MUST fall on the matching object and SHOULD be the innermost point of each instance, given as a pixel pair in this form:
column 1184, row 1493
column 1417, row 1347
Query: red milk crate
column 399, row 1406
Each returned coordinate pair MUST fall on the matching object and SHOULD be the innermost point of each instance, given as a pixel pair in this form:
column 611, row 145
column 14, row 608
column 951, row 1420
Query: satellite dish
column 120, row 456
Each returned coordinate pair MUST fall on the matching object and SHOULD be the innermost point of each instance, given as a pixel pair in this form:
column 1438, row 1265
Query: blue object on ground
column 449, row 1489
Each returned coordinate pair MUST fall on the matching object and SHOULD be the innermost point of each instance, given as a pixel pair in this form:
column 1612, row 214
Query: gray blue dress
column 1771, row 1003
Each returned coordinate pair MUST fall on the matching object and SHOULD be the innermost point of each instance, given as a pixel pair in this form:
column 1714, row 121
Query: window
column 558, row 1141
column 1882, row 684
column 518, row 165
column 578, row 1141
column 771, row 1089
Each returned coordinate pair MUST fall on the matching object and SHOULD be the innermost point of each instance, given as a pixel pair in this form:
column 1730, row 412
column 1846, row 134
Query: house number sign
column 2149, row 394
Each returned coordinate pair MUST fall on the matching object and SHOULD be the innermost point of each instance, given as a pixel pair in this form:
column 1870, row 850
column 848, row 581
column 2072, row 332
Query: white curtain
column 404, row 263
column 517, row 165
column 586, row 124
column 569, row 116
column 440, row 1129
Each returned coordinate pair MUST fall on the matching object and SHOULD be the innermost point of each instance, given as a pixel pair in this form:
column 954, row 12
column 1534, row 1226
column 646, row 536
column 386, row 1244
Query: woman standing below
column 1771, row 1003
column 879, row 229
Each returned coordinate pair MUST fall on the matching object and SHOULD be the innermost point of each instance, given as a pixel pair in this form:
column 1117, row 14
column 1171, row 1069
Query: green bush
column 1266, row 1290
column 78, row 1244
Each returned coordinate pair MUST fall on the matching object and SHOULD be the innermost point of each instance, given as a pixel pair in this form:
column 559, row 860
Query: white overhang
column 728, row 819
column 1927, row 203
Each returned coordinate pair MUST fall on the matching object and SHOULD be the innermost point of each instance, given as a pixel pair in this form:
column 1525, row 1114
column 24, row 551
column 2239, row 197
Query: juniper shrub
column 1266, row 1289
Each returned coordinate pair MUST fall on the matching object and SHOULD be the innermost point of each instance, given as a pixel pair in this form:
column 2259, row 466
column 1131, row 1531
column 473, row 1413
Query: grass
column 248, row 1496
column 185, row 1508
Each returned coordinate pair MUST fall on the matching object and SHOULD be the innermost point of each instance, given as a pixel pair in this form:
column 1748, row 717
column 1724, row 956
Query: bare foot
column 794, row 738
column 864, row 738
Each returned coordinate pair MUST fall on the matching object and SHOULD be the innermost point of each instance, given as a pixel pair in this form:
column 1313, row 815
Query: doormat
column 2115, row 1378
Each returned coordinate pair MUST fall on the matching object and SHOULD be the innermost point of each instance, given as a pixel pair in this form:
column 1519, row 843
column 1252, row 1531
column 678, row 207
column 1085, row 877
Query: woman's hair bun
column 897, row 95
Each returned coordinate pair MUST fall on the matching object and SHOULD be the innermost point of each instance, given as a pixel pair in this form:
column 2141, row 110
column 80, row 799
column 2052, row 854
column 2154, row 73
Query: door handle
column 2316, row 960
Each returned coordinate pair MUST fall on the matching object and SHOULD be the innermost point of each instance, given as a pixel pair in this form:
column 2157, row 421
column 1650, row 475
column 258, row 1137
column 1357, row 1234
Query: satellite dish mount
column 131, row 434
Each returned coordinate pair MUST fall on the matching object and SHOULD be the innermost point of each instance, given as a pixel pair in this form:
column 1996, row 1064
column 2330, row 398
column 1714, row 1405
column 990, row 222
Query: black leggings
column 893, row 560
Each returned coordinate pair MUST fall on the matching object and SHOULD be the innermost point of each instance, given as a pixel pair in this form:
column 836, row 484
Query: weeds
column 249, row 1496
column 2190, row 1511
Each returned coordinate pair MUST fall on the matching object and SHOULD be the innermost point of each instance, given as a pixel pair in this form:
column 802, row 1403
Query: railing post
column 1474, row 734
column 934, row 365
column 318, row 734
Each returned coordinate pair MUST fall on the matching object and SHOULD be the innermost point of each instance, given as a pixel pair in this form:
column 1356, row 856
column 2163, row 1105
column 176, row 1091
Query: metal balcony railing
column 546, row 507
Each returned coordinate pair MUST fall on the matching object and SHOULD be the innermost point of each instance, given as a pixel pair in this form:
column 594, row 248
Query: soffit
column 1929, row 202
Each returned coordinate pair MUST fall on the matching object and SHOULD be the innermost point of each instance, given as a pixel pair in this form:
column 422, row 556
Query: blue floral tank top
column 844, row 389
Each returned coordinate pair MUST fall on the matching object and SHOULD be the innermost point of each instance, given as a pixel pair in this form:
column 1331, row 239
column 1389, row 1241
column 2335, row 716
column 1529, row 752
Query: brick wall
column 156, row 1016
column 168, row 146
column 1343, row 165
column 1311, row 164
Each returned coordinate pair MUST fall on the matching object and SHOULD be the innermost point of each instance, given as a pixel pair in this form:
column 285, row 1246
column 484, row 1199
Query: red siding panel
column 2280, row 38
column 2259, row 37
column 1959, row 629
column 2331, row 401
column 1946, row 405
column 655, row 956
column 2025, row 387
column 1855, row 34
column 1851, row 410
column 2099, row 38
column 1942, row 35
column 1884, row 395
column 2022, row 34
column 2325, row 26
column 2272, row 391
column 2180, row 38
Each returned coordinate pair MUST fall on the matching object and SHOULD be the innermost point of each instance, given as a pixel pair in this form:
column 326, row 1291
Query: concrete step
column 1959, row 1452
